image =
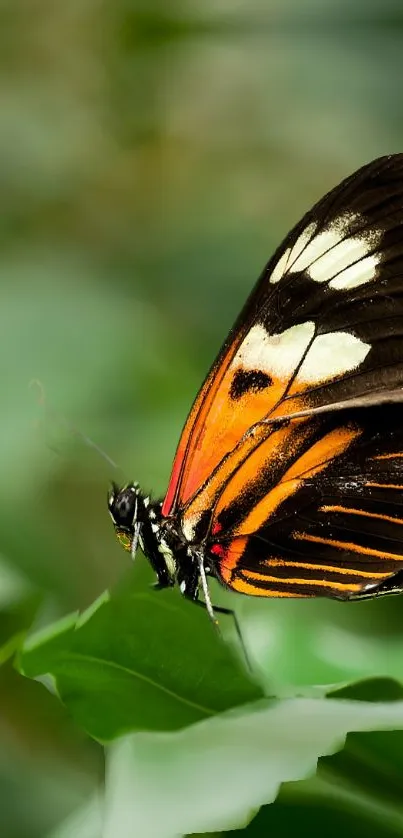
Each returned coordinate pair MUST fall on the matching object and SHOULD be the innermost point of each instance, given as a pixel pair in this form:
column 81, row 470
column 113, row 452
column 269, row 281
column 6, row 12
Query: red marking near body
column 216, row 528
column 218, row 550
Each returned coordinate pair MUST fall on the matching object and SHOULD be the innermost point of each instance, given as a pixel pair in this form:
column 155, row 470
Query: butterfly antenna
column 91, row 444
column 42, row 402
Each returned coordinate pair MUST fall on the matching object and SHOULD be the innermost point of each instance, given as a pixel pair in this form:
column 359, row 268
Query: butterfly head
column 137, row 520
column 126, row 508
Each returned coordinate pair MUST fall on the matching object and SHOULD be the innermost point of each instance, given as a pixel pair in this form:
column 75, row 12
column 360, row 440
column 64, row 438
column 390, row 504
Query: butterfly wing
column 324, row 324
column 325, row 520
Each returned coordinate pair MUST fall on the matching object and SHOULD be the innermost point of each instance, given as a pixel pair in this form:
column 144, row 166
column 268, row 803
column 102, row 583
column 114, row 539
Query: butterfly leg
column 228, row 612
column 205, row 588
column 189, row 585
column 192, row 592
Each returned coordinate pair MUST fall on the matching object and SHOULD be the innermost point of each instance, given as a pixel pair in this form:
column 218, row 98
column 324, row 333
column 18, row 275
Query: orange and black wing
column 323, row 325
column 325, row 519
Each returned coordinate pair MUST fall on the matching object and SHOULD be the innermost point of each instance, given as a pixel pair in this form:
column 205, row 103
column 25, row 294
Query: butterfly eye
column 123, row 509
column 123, row 506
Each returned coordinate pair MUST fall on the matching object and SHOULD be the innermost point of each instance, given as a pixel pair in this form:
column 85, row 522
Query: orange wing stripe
column 362, row 512
column 206, row 498
column 310, row 463
column 347, row 545
column 327, row 568
column 398, row 455
column 321, row 583
column 231, row 559
column 248, row 588
column 313, row 461
column 385, row 485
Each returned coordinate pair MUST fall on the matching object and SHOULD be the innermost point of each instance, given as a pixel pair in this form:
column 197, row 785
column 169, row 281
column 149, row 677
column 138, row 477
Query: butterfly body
column 174, row 561
column 288, row 478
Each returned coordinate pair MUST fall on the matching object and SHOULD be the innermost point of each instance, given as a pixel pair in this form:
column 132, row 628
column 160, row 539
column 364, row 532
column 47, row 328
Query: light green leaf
column 215, row 774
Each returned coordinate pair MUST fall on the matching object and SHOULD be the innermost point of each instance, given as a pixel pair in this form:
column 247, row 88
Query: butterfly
column 288, row 477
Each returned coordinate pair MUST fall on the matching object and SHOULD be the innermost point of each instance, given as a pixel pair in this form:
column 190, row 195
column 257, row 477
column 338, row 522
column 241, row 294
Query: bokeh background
column 152, row 155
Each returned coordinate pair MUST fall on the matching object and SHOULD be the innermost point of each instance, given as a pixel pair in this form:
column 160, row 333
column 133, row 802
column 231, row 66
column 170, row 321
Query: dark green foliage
column 139, row 661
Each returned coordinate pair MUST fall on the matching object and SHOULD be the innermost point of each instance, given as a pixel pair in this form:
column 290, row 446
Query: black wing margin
column 348, row 278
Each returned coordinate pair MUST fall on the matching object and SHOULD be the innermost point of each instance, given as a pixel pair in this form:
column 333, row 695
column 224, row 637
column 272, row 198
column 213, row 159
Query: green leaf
column 214, row 775
column 139, row 660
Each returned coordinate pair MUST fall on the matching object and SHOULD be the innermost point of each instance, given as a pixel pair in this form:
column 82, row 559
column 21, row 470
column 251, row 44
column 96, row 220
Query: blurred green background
column 152, row 155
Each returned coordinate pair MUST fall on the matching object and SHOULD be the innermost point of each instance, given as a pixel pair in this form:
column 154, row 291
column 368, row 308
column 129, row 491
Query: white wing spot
column 289, row 256
column 341, row 256
column 277, row 355
column 333, row 256
column 316, row 248
column 280, row 269
column 347, row 261
column 302, row 242
column 331, row 355
column 357, row 274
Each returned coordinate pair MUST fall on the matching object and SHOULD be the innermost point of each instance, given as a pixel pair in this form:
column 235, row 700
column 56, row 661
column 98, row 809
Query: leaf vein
column 208, row 711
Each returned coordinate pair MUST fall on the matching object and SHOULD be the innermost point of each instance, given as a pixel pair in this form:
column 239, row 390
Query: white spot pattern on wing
column 276, row 355
column 333, row 256
column 332, row 355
